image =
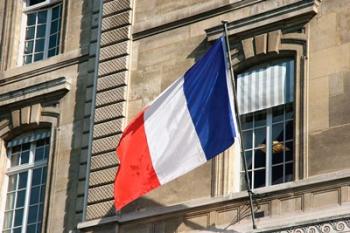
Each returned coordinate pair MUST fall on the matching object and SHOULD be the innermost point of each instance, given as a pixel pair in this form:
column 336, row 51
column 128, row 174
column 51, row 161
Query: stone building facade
column 73, row 73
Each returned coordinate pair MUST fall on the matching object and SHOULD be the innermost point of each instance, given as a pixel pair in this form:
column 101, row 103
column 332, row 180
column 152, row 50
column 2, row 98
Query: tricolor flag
column 191, row 122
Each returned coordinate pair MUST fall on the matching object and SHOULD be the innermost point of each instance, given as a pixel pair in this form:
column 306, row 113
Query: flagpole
column 247, row 180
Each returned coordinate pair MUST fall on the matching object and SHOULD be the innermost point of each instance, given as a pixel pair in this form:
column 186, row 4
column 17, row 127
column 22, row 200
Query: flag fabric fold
column 191, row 122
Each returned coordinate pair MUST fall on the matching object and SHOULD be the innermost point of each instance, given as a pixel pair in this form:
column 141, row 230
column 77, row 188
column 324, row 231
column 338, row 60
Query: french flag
column 191, row 122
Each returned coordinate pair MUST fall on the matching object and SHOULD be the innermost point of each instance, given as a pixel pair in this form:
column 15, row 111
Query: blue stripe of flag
column 206, row 92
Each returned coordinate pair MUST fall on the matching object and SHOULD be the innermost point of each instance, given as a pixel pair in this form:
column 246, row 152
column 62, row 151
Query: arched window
column 265, row 96
column 26, row 172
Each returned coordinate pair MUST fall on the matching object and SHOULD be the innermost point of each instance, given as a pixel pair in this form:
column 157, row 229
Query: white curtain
column 265, row 86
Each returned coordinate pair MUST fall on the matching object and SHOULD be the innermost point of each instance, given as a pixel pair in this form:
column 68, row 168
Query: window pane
column 18, row 217
column 52, row 52
column 277, row 153
column 43, row 179
column 42, row 193
column 277, row 132
column 54, row 27
column 260, row 137
column 55, row 12
column 25, row 146
column 28, row 59
column 289, row 111
column 39, row 45
column 40, row 31
column 30, row 33
column 10, row 201
column 38, row 56
column 28, row 46
column 36, row 179
column 14, row 160
column 8, row 219
column 25, row 157
column 277, row 174
column 33, row 2
column 259, row 178
column 259, row 158
column 289, row 151
column 38, row 228
column 12, row 183
column 16, row 149
column 31, row 18
column 39, row 153
column 33, row 214
column 17, row 230
column 247, row 137
column 247, row 121
column 41, row 209
column 42, row 17
column 260, row 118
column 22, row 180
column 289, row 172
column 31, row 228
column 20, row 198
column 53, row 41
column 289, row 130
column 40, row 142
column 278, row 113
column 248, row 156
column 34, row 195
column 46, row 153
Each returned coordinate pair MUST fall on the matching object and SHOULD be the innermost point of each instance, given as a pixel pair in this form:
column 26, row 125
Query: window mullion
column 47, row 33
column 268, row 147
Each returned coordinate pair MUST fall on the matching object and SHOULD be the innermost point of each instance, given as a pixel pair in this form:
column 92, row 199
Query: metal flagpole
column 247, row 180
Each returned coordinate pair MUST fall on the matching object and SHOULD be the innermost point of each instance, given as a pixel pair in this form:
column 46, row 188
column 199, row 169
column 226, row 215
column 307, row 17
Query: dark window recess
column 34, row 2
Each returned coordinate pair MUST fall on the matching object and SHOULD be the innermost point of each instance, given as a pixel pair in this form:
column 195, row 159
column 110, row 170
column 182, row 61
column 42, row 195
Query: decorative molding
column 52, row 87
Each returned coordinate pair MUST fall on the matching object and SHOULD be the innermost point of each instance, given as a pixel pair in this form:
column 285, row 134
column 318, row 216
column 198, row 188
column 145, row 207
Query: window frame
column 268, row 161
column 48, row 6
column 29, row 168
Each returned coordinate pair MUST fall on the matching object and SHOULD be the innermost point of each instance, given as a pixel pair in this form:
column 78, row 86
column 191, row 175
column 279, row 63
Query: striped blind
column 29, row 137
column 265, row 86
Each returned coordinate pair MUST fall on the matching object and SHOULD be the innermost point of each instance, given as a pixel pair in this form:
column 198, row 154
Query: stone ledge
column 191, row 205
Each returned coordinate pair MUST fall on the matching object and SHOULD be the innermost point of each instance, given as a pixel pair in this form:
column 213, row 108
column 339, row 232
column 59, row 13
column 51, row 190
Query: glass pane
column 260, row 118
column 31, row 18
column 53, row 41
column 25, row 146
column 38, row 228
column 55, row 12
column 28, row 59
column 247, row 137
column 52, row 52
column 33, row 2
column 16, row 149
column 33, row 214
column 259, row 178
column 54, row 27
column 42, row 17
column 277, row 132
column 21, row 196
column 289, row 130
column 289, row 151
column 40, row 31
column 17, row 230
column 22, row 180
column 40, row 142
column 278, row 113
column 42, row 193
column 43, row 179
column 39, row 45
column 10, row 201
column 38, row 56
column 277, row 152
column 289, row 172
column 28, row 46
column 31, row 228
column 277, row 174
column 41, row 209
column 25, row 157
column 46, row 153
column 259, row 158
column 36, row 179
column 30, row 33
column 39, row 153
column 12, row 183
column 260, row 137
column 289, row 111
column 8, row 219
column 247, row 121
column 18, row 217
column 14, row 159
column 248, row 156
column 34, row 195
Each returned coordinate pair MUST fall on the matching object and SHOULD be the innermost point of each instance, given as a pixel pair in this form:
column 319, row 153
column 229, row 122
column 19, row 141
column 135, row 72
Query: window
column 27, row 174
column 266, row 106
column 42, row 30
